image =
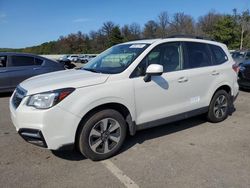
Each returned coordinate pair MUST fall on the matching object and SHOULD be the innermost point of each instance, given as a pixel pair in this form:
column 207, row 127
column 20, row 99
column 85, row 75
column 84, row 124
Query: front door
column 164, row 95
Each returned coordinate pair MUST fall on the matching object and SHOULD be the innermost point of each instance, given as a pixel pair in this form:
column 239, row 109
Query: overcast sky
column 31, row 22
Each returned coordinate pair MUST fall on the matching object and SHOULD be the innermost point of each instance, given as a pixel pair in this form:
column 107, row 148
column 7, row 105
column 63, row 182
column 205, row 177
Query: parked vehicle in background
column 244, row 75
column 66, row 62
column 73, row 58
column 63, row 58
column 16, row 67
column 86, row 58
column 240, row 56
column 83, row 58
column 131, row 86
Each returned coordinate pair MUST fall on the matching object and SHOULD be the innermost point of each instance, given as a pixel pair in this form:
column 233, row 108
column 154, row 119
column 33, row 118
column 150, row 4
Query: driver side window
column 168, row 55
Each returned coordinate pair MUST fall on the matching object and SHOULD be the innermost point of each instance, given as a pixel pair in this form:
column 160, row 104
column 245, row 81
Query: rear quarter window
column 22, row 61
column 38, row 61
column 218, row 54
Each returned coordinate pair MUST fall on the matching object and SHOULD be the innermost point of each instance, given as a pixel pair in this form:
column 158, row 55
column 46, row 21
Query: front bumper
column 52, row 128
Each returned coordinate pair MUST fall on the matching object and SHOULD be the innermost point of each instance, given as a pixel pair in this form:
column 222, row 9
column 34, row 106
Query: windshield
column 116, row 59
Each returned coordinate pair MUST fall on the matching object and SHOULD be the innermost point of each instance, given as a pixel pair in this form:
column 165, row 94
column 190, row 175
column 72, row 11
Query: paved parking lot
column 189, row 153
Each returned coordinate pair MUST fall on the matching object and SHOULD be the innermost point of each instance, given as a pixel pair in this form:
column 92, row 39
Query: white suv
column 129, row 87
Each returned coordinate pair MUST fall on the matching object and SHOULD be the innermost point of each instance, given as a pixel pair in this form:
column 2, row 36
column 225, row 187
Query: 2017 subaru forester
column 131, row 86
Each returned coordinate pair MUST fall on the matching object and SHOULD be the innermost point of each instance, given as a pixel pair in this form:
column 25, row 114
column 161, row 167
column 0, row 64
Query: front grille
column 18, row 96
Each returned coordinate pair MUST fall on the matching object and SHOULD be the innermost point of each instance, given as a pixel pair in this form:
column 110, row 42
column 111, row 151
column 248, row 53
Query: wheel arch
column 121, row 108
column 224, row 87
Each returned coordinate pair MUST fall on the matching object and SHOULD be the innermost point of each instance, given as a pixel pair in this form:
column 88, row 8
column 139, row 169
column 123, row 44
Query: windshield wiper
column 91, row 70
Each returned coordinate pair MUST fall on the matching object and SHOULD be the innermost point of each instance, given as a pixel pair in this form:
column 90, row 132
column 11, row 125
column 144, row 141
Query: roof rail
column 190, row 36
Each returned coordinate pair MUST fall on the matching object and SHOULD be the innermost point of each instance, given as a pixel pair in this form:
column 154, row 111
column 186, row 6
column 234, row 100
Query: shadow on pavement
column 141, row 136
column 162, row 130
column 71, row 155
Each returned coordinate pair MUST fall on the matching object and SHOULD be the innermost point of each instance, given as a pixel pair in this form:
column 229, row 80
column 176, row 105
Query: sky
column 26, row 23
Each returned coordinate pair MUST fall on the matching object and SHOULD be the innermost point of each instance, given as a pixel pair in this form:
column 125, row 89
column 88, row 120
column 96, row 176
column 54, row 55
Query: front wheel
column 219, row 107
column 102, row 135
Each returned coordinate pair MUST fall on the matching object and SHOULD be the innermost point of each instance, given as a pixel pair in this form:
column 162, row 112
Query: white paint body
column 166, row 95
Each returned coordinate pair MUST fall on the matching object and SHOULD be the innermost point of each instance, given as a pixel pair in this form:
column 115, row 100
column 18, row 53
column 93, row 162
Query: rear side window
column 219, row 54
column 197, row 55
column 22, row 61
column 38, row 61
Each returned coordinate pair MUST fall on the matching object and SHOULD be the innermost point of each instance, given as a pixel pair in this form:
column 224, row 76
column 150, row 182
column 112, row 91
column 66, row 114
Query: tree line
column 231, row 29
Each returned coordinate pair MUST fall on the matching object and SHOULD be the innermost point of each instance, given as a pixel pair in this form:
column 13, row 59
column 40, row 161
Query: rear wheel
column 102, row 135
column 219, row 107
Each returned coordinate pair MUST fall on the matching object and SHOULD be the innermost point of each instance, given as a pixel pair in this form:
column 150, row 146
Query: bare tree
column 206, row 23
column 245, row 25
column 163, row 22
column 131, row 32
column 182, row 24
column 150, row 29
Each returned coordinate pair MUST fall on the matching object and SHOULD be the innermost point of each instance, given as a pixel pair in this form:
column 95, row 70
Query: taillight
column 236, row 68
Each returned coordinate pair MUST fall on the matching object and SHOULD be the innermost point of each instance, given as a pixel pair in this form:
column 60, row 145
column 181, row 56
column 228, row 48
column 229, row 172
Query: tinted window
column 38, row 61
column 168, row 55
column 198, row 55
column 3, row 61
column 22, row 61
column 219, row 55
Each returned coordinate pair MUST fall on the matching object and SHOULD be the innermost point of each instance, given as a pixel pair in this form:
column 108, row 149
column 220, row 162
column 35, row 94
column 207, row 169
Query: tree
column 206, row 23
column 244, row 26
column 131, row 32
column 150, row 29
column 107, row 28
column 115, row 36
column 163, row 21
column 182, row 24
column 225, row 31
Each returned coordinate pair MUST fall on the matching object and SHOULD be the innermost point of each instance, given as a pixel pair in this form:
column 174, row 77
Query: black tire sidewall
column 87, row 127
column 211, row 116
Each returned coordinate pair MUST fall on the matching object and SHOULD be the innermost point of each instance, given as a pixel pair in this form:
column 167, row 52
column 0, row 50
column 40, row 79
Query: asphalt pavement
column 188, row 153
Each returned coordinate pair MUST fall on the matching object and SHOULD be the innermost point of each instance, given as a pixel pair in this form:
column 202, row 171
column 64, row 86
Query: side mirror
column 153, row 70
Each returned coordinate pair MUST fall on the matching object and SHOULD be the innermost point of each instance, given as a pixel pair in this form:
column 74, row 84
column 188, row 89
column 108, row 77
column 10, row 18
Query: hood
column 62, row 79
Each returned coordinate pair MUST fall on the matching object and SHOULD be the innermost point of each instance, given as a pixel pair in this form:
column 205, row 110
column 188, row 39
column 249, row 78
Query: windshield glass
column 116, row 59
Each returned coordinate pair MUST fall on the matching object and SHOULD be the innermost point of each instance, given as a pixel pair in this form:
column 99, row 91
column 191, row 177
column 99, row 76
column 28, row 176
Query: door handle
column 2, row 71
column 215, row 73
column 36, row 68
column 182, row 79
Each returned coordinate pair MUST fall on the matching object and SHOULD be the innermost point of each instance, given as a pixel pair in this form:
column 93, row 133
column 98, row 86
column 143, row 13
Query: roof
column 176, row 38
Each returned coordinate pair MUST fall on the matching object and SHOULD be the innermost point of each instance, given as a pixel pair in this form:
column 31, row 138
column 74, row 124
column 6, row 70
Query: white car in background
column 129, row 87
column 86, row 58
column 73, row 58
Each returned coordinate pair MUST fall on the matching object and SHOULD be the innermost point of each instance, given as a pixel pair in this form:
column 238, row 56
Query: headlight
column 48, row 99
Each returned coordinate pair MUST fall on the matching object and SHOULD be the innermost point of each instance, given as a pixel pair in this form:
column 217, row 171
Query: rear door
column 201, row 73
column 4, row 75
column 21, row 68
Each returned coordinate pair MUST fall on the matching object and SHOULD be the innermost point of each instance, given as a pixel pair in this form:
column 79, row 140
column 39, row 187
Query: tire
column 219, row 107
column 102, row 135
